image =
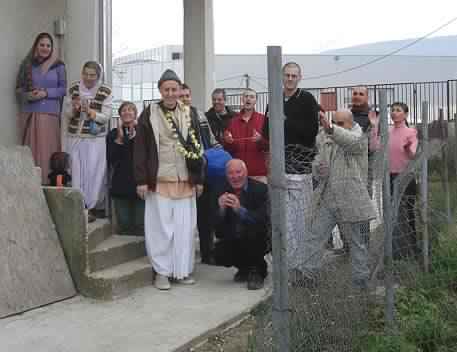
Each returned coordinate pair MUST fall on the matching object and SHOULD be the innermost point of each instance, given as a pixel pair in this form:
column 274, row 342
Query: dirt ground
column 233, row 340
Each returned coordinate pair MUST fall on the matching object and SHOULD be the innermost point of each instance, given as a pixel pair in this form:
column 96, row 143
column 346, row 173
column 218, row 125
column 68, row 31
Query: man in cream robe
column 163, row 181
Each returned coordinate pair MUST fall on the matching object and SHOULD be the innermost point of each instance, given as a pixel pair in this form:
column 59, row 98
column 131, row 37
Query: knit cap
column 169, row 75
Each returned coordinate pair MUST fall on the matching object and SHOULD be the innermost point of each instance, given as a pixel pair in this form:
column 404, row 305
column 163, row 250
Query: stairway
column 103, row 265
column 115, row 264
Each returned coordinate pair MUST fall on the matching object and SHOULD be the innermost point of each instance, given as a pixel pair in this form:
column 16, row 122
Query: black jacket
column 256, row 219
column 218, row 122
column 120, row 166
column 300, row 130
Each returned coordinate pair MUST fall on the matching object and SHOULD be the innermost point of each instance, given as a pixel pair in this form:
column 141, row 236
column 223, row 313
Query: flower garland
column 188, row 154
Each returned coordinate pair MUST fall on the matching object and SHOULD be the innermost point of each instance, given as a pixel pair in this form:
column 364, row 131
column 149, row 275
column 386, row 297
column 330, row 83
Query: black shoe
column 100, row 213
column 241, row 276
column 255, row 280
column 208, row 261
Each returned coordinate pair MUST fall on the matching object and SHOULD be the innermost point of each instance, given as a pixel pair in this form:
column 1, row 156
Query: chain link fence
column 387, row 284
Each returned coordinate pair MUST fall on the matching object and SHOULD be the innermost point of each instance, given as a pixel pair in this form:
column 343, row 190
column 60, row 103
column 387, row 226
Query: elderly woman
column 167, row 143
column 41, row 84
column 120, row 144
column 88, row 110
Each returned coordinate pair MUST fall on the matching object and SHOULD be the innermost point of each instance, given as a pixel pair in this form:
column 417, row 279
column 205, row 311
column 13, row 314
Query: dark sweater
column 300, row 130
column 120, row 163
column 253, row 220
column 219, row 122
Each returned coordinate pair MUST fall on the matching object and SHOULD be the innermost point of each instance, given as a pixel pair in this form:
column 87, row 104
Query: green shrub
column 389, row 343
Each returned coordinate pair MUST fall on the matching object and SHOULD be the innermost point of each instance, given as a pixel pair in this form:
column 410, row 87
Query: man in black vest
column 360, row 107
column 205, row 230
column 242, row 225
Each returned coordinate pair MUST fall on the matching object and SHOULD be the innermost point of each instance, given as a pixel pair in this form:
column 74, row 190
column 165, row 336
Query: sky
column 299, row 26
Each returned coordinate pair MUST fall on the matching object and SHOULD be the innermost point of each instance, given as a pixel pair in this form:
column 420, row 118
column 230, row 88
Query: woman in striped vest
column 87, row 111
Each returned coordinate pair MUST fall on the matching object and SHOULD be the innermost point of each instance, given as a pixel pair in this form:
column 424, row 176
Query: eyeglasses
column 338, row 123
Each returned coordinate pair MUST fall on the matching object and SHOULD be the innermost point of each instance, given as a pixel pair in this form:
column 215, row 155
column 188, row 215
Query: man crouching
column 241, row 223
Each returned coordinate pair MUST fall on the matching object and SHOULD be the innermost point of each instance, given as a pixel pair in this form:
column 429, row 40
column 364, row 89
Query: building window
column 176, row 56
column 126, row 92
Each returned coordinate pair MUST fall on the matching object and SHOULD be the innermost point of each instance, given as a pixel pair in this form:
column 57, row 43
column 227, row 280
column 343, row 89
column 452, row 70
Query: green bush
column 393, row 343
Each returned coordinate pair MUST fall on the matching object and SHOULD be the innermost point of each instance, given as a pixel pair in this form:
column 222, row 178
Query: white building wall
column 390, row 70
column 21, row 21
column 231, row 68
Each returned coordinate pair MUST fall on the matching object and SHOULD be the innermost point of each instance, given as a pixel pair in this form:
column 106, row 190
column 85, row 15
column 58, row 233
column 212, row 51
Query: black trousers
column 244, row 253
column 204, row 223
column 404, row 236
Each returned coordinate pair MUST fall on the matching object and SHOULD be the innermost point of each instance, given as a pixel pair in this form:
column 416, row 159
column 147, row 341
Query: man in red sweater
column 243, row 137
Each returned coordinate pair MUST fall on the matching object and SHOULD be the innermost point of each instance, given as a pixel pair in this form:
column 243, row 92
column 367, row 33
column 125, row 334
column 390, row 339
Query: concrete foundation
column 33, row 269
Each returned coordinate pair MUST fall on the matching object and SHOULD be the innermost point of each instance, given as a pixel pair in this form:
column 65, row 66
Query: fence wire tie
column 282, row 310
column 281, row 186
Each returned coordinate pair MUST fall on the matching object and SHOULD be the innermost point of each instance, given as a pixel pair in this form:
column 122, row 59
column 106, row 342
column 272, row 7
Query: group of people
column 86, row 108
column 157, row 165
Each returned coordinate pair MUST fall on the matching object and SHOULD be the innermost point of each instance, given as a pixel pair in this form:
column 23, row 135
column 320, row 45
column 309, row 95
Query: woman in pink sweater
column 402, row 149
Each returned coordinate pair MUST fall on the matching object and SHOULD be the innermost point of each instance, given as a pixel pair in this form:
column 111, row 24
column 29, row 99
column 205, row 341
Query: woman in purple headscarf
column 41, row 84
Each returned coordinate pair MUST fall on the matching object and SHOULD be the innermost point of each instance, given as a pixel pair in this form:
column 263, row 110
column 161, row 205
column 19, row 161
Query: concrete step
column 97, row 232
column 118, row 281
column 116, row 250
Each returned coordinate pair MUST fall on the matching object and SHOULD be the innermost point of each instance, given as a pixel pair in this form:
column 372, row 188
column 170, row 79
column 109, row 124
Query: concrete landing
column 147, row 321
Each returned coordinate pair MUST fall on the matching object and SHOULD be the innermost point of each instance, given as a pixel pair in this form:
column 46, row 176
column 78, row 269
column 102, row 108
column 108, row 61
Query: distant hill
column 435, row 46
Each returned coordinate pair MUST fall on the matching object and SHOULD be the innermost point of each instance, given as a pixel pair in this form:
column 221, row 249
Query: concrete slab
column 147, row 321
column 33, row 270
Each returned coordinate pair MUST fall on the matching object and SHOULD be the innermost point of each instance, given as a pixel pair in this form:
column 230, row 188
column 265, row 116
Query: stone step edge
column 118, row 281
column 114, row 251
column 97, row 232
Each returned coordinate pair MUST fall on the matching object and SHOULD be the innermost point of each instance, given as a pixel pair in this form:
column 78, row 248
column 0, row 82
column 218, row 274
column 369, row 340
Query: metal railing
column 440, row 96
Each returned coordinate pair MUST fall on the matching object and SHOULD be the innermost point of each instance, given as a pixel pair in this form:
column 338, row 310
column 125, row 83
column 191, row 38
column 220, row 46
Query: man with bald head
column 241, row 222
column 362, row 115
column 341, row 197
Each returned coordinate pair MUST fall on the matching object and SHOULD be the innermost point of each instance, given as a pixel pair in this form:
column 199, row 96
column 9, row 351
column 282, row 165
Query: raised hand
column 256, row 137
column 142, row 190
column 373, row 118
column 324, row 121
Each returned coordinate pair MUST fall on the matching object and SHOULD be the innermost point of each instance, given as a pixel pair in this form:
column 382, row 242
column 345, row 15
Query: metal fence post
column 424, row 186
column 445, row 168
column 387, row 212
column 278, row 200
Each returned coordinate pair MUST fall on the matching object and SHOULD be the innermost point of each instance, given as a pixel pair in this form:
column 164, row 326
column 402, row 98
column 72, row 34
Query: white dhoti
column 299, row 207
column 88, row 168
column 170, row 226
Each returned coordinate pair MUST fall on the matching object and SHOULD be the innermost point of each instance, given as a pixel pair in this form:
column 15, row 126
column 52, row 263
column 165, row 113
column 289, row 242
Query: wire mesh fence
column 372, row 261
